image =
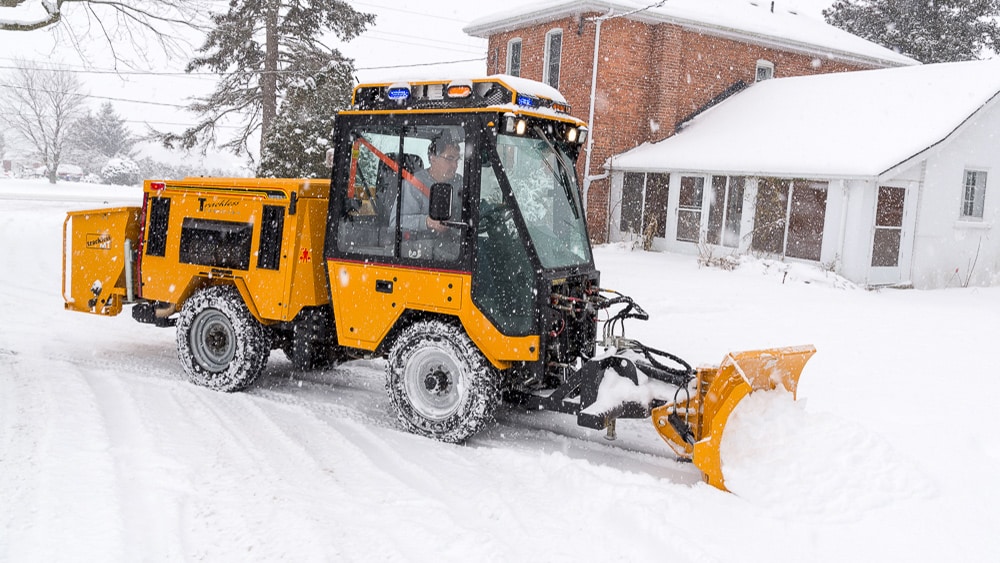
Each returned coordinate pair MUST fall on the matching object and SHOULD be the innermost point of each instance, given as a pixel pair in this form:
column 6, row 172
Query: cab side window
column 367, row 223
column 385, row 188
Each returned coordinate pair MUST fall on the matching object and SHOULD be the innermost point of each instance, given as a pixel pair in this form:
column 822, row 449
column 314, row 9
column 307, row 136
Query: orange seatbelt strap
column 388, row 162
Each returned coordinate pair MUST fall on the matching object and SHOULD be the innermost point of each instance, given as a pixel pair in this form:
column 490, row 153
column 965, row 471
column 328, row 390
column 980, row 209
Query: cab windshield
column 543, row 181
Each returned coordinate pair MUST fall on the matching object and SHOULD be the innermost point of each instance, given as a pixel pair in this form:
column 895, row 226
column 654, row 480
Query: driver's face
column 445, row 164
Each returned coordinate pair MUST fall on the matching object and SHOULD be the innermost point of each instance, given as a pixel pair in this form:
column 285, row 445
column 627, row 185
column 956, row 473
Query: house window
column 789, row 218
column 553, row 54
column 644, row 204
column 514, row 57
column 974, row 197
column 725, row 211
column 689, row 210
column 765, row 70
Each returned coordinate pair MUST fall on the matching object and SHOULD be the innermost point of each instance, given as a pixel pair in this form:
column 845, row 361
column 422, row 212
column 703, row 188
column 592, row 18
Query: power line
column 98, row 71
column 150, row 122
column 427, row 45
column 82, row 95
column 423, row 64
column 390, row 9
column 402, row 11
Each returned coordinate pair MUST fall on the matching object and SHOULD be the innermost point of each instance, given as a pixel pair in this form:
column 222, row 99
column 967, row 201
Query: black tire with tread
column 220, row 344
column 466, row 391
column 312, row 344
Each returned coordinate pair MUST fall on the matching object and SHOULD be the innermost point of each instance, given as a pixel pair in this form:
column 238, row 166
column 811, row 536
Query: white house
column 890, row 176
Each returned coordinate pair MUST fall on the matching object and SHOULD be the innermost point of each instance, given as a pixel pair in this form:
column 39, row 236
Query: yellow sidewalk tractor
column 450, row 240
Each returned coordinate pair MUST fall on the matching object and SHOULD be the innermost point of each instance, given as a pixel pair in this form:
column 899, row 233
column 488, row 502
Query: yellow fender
column 717, row 392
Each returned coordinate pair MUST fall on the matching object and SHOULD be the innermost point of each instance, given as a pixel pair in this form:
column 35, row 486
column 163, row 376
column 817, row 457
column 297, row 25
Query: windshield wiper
column 563, row 168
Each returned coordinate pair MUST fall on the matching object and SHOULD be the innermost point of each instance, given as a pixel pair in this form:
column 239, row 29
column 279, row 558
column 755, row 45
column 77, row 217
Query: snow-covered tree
column 40, row 105
column 297, row 144
column 930, row 31
column 121, row 171
column 95, row 139
column 261, row 48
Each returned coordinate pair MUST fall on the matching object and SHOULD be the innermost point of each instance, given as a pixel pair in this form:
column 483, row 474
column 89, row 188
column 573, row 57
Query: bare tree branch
column 39, row 105
column 131, row 21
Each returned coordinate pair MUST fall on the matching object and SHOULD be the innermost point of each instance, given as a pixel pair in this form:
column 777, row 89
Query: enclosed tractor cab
column 451, row 240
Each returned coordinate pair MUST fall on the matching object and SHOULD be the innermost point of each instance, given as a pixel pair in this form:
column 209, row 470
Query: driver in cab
column 424, row 237
column 444, row 157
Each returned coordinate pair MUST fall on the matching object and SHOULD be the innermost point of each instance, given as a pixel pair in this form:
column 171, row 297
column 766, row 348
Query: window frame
column 700, row 183
column 546, row 69
column 648, row 205
column 765, row 65
column 970, row 206
column 727, row 211
column 520, row 50
column 786, row 236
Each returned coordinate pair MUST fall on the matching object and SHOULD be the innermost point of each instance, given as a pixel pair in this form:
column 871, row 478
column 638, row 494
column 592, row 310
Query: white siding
column 950, row 251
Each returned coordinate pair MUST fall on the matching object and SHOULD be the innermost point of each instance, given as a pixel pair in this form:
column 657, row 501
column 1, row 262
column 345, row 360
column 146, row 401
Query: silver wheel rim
column 213, row 340
column 433, row 383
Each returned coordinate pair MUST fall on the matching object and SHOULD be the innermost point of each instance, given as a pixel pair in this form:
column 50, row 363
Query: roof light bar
column 459, row 91
column 398, row 92
column 527, row 101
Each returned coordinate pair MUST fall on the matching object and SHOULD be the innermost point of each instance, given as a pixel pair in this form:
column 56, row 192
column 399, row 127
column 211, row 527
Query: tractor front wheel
column 438, row 382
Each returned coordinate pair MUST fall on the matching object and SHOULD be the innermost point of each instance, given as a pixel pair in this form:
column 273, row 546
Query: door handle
column 383, row 286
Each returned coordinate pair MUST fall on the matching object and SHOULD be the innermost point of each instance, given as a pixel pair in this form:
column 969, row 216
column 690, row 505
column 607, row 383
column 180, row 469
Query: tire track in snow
column 144, row 475
column 57, row 485
column 447, row 475
column 334, row 447
column 291, row 473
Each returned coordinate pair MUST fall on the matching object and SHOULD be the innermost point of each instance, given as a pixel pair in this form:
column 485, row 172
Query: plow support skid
column 98, row 264
column 693, row 427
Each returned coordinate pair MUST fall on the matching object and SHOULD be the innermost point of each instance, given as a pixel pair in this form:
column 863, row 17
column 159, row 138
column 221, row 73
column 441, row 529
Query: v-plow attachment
column 693, row 427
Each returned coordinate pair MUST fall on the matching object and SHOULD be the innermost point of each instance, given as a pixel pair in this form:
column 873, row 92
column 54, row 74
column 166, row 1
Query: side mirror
column 440, row 202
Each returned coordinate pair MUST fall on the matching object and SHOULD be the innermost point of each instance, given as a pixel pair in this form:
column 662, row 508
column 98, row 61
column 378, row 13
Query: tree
column 261, row 48
column 117, row 22
column 96, row 139
column 297, row 144
column 40, row 104
column 121, row 172
column 930, row 31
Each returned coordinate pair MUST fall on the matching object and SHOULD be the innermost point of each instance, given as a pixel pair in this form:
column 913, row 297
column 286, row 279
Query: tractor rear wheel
column 439, row 383
column 312, row 343
column 220, row 344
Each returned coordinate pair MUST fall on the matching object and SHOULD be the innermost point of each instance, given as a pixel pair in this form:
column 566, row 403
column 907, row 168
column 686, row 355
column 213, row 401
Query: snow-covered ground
column 108, row 454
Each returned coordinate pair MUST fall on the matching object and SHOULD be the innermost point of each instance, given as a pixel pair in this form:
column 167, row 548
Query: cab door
column 379, row 265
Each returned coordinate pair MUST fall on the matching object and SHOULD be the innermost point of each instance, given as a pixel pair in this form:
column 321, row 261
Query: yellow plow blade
column 693, row 427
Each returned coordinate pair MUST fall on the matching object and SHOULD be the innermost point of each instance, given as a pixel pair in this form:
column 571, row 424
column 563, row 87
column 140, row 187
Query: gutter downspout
column 587, row 179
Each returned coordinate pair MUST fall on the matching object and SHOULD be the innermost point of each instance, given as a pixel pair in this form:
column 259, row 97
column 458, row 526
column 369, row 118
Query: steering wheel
column 492, row 216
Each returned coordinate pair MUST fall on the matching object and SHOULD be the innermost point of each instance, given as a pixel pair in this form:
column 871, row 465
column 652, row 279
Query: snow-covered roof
column 752, row 20
column 850, row 124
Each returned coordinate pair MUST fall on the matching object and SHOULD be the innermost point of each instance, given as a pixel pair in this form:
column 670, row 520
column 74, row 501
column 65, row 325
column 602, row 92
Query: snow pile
column 778, row 456
column 793, row 272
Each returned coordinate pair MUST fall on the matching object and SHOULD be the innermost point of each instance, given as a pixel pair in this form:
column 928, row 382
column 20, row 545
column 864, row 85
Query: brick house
column 657, row 67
